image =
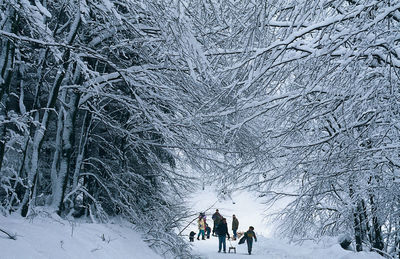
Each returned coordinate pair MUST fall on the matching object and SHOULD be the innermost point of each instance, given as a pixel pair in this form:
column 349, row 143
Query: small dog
column 191, row 236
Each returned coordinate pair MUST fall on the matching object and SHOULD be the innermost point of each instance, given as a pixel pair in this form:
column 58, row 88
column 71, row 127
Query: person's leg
column 224, row 243
column 249, row 244
column 235, row 233
column 213, row 230
column 202, row 234
column 220, row 238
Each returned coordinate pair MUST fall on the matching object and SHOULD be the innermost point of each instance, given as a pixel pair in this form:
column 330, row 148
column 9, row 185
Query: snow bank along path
column 250, row 213
column 45, row 237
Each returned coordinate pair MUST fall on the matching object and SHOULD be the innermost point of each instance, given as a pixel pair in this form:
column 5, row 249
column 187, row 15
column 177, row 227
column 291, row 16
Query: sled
column 231, row 247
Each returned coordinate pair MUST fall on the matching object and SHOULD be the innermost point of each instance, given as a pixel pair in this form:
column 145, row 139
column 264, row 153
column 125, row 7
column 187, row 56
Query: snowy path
column 267, row 248
column 250, row 212
column 261, row 249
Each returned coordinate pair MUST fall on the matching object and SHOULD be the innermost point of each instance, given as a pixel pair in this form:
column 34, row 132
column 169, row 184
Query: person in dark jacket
column 249, row 235
column 235, row 226
column 216, row 217
column 222, row 232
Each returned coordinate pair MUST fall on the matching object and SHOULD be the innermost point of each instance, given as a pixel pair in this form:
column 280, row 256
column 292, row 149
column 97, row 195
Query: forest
column 106, row 104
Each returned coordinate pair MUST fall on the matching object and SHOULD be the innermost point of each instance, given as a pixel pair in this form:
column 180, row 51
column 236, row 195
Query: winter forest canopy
column 104, row 102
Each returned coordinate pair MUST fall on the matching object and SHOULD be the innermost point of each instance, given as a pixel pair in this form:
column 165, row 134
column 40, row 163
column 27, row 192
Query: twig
column 382, row 252
column 13, row 237
column 95, row 249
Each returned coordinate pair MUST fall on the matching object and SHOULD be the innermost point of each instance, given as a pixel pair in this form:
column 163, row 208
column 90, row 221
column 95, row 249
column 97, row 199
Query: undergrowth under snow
column 51, row 237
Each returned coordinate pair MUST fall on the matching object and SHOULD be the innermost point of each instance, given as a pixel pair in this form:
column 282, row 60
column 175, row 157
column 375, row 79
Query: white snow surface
column 49, row 236
column 250, row 212
column 52, row 237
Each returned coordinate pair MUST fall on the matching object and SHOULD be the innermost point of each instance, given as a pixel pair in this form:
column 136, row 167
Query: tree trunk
column 357, row 230
column 356, row 220
column 65, row 156
column 366, row 220
column 58, row 147
column 84, row 136
column 377, row 228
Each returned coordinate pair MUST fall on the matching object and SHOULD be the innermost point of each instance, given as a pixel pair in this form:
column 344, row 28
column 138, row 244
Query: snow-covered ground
column 51, row 237
column 250, row 212
column 277, row 249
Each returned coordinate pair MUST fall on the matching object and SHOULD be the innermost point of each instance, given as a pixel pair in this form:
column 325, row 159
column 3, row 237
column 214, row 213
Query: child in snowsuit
column 249, row 235
column 191, row 236
column 208, row 231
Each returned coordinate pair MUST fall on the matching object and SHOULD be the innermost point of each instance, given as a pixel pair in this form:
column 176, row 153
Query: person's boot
column 198, row 238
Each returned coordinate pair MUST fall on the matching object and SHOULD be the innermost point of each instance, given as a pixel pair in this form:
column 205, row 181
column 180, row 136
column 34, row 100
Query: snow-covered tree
column 312, row 86
column 107, row 100
column 295, row 99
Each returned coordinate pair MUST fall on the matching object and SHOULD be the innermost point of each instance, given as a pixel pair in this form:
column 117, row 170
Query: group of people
column 220, row 229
